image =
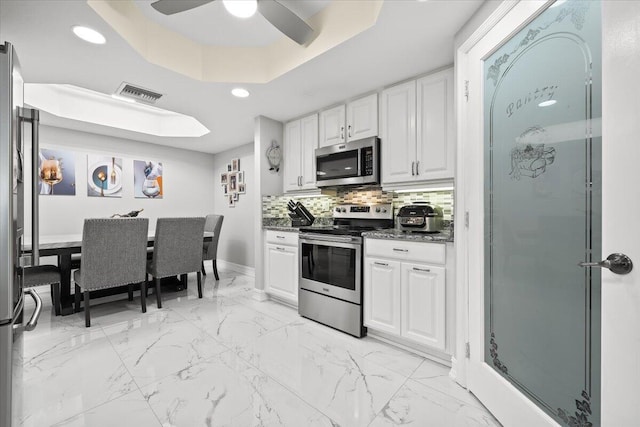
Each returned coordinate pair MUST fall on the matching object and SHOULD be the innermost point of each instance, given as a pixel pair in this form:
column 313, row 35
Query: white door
column 292, row 152
column 382, row 295
column 309, row 143
column 332, row 128
column 423, row 304
column 362, row 118
column 548, row 177
column 398, row 133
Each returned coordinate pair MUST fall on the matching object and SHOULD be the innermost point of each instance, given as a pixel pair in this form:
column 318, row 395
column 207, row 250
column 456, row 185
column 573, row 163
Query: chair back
column 178, row 246
column 114, row 252
column 213, row 225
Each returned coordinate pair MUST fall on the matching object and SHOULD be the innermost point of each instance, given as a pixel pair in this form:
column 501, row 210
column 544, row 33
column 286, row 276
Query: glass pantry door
column 542, row 201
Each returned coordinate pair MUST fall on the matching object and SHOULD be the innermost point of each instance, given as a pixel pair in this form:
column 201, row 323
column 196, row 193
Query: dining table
column 63, row 247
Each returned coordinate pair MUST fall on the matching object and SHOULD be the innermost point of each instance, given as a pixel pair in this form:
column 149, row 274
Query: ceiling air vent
column 147, row 96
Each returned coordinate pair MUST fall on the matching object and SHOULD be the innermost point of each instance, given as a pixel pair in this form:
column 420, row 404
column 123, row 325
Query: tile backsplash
column 320, row 207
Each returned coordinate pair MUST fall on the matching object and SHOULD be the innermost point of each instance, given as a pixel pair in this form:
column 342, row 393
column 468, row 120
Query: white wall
column 237, row 237
column 187, row 180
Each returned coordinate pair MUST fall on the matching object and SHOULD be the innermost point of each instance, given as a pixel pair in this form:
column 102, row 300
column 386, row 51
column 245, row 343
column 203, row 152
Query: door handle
column 381, row 263
column 417, row 167
column 349, row 133
column 280, row 249
column 413, row 168
column 342, row 133
column 400, row 250
column 426, row 270
column 616, row 263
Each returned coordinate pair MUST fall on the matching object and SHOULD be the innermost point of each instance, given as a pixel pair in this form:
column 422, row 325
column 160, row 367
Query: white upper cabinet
column 332, row 124
column 435, row 127
column 357, row 120
column 416, row 128
column 398, row 133
column 300, row 142
column 362, row 118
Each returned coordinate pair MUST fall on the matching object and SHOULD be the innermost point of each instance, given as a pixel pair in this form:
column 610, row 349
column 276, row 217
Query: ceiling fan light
column 241, row 8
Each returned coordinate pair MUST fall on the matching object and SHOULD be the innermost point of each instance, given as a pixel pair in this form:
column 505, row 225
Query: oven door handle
column 323, row 238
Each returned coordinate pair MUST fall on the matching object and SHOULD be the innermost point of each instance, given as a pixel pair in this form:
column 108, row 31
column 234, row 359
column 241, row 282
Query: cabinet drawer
column 433, row 253
column 282, row 237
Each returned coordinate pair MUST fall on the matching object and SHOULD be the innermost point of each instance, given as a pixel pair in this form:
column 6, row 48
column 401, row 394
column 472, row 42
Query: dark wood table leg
column 66, row 303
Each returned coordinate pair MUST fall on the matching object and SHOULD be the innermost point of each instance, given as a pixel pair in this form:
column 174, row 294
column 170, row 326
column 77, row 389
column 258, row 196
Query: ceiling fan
column 280, row 16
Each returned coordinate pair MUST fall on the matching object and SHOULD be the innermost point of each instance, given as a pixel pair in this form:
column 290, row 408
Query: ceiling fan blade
column 290, row 24
column 169, row 7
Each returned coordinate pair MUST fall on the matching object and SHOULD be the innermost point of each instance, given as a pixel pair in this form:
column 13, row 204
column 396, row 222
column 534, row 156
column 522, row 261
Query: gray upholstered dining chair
column 177, row 250
column 213, row 225
column 42, row 275
column 114, row 253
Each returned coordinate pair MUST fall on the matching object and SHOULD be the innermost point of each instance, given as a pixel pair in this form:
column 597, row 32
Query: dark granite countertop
column 394, row 234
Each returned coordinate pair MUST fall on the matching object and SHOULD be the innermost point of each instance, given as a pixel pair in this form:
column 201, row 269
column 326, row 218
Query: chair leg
column 199, row 285
column 76, row 295
column 130, row 291
column 158, row 294
column 203, row 270
column 215, row 269
column 87, row 310
column 56, row 298
column 146, row 288
column 143, row 296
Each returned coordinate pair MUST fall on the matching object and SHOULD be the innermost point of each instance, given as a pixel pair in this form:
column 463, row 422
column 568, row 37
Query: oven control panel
column 379, row 211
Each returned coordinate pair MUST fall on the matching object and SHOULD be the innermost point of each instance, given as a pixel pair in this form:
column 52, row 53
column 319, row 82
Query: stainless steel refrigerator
column 13, row 118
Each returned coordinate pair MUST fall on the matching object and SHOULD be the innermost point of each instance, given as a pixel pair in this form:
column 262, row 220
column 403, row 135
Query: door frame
column 620, row 330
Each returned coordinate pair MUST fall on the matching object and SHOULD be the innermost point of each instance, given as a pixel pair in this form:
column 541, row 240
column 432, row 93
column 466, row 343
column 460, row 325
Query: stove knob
column 343, row 210
column 384, row 211
column 378, row 209
column 337, row 209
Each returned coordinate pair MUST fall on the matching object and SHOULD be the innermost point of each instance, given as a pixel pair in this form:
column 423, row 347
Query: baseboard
column 259, row 295
column 434, row 355
column 238, row 268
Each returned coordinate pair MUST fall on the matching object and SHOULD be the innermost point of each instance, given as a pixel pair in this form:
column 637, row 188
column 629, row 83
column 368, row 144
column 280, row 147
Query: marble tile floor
column 224, row 360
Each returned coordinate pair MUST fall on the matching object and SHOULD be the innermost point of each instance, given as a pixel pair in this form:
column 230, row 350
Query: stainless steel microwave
column 349, row 163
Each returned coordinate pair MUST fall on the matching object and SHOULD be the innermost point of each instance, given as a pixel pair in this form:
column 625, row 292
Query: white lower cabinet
column 403, row 297
column 423, row 304
column 281, row 271
column 382, row 295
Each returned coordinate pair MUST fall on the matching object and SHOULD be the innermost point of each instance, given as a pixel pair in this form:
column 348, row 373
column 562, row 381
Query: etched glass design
column 542, row 120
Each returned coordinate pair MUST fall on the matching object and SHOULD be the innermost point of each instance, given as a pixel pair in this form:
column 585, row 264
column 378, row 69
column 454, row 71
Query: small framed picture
column 242, row 189
column 236, row 196
column 232, row 202
column 241, row 177
column 235, row 165
column 223, row 178
column 225, row 189
column 233, row 182
column 229, row 167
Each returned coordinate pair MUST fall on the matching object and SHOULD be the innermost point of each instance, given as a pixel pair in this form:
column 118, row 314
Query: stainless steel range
column 330, row 285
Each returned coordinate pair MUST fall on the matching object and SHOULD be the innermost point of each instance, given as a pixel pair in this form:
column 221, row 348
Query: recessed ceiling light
column 241, row 8
column 88, row 34
column 240, row 92
column 547, row 103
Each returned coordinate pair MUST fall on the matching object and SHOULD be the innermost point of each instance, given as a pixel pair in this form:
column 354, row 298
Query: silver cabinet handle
column 280, row 237
column 413, row 168
column 381, row 263
column 400, row 250
column 280, row 249
column 33, row 322
column 417, row 167
column 426, row 270
column 349, row 133
column 617, row 263
column 342, row 133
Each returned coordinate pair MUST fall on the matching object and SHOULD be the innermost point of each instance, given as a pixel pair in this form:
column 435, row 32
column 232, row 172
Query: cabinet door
column 423, row 304
column 281, row 271
column 362, row 118
column 435, row 127
column 398, row 133
column 292, row 152
column 382, row 295
column 332, row 129
column 309, row 143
